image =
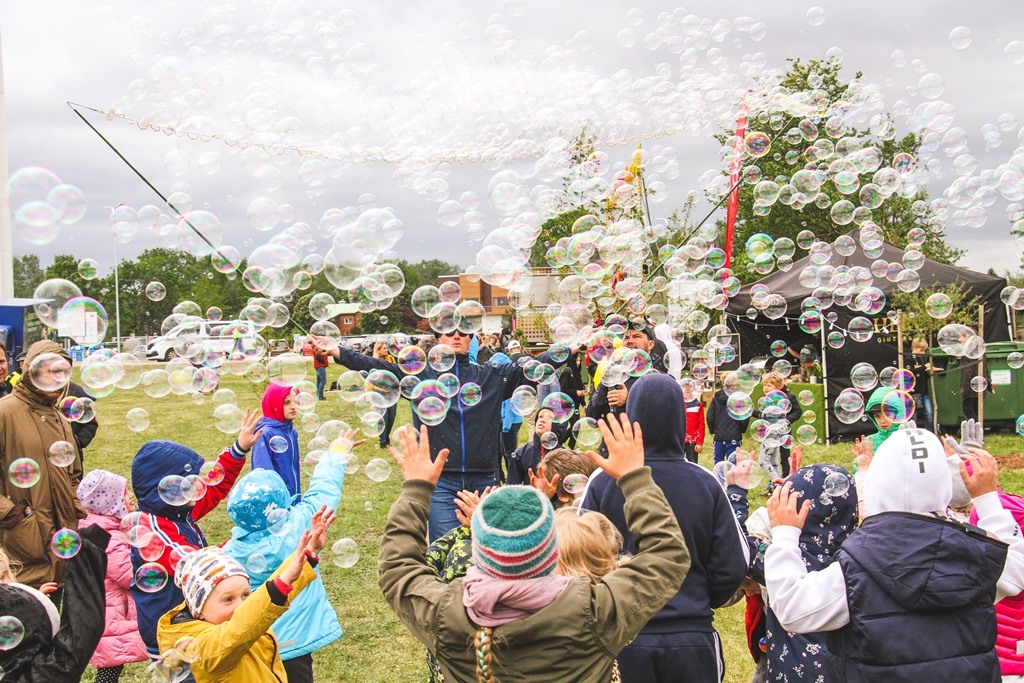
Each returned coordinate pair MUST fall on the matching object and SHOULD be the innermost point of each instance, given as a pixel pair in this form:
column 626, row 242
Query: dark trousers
column 690, row 452
column 969, row 406
column 510, row 439
column 300, row 669
column 692, row 657
column 389, row 423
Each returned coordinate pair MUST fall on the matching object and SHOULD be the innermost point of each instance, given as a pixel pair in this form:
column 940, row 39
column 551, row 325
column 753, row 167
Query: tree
column 27, row 275
column 809, row 170
column 918, row 320
column 399, row 316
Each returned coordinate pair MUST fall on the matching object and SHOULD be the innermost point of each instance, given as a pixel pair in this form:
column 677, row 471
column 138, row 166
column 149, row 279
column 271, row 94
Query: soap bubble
column 747, row 474
column 805, row 397
column 12, row 632
column 779, row 348
column 1015, row 359
column 549, row 440
column 88, row 269
column 278, row 444
column 470, row 394
column 345, row 553
column 279, row 521
column 54, row 293
column 1019, row 426
column 806, row 434
column 412, row 360
column 979, row 384
column 523, row 400
column 174, row 490
column 739, row 405
column 431, row 410
column 228, row 418
column 953, row 339
column 863, row 376
column 155, row 291
column 441, row 357
column 66, row 543
column 24, row 473
column 587, row 433
column 849, row 406
column 898, row 406
column 62, row 453
column 575, row 484
column 212, row 473
column 939, row 305
column 137, row 419
column 560, row 405
column 151, row 577
column 835, row 484
column 378, row 469
column 382, row 389
column 960, row 38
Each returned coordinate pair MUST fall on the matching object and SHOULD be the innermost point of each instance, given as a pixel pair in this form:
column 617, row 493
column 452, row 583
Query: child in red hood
column 278, row 447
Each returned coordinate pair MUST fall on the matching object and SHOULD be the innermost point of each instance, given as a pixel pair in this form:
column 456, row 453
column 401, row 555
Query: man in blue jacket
column 680, row 643
column 471, row 433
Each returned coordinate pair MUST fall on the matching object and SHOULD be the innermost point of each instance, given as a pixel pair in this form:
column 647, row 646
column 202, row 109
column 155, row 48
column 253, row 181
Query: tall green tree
column 27, row 275
column 815, row 160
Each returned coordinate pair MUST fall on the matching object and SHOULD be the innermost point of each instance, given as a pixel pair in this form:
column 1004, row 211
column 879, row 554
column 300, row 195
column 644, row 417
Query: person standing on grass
column 277, row 448
column 469, row 432
column 526, row 622
column 320, row 363
column 679, row 644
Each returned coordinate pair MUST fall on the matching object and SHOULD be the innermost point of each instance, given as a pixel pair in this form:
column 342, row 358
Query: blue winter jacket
column 719, row 555
column 470, row 433
column 311, row 623
column 286, row 463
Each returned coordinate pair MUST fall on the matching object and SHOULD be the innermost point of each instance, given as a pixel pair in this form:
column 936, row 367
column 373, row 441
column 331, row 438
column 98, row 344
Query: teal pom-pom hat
column 514, row 534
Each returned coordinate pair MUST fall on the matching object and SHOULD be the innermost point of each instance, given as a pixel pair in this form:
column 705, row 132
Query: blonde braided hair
column 482, row 645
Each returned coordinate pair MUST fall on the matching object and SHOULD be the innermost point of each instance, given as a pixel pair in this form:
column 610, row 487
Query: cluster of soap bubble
column 41, row 204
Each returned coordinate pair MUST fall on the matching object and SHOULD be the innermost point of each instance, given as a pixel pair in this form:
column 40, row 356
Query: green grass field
column 375, row 646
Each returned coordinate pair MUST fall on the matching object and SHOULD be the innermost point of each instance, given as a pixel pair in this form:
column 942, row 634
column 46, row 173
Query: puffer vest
column 918, row 616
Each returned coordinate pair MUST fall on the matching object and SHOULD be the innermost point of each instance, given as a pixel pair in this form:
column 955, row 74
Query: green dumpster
column 1005, row 406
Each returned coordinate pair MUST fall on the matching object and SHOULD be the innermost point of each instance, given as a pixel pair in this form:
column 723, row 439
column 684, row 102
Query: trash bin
column 1005, row 406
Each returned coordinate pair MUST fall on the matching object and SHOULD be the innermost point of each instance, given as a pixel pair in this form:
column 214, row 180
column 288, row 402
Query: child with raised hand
column 525, row 622
column 170, row 513
column 791, row 657
column 228, row 623
column 277, row 448
column 267, row 527
column 106, row 497
column 528, row 456
column 909, row 596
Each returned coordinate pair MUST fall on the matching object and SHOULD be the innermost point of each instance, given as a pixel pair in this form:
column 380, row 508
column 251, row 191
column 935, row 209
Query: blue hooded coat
column 311, row 623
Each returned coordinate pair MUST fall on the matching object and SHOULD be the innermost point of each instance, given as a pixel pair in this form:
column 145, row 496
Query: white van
column 189, row 337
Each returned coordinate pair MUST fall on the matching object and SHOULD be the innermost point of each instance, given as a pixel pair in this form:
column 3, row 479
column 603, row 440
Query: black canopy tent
column 757, row 333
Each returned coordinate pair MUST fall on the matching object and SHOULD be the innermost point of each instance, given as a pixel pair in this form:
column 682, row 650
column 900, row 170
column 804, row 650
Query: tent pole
column 1011, row 318
column 981, row 365
column 824, row 380
column 899, row 339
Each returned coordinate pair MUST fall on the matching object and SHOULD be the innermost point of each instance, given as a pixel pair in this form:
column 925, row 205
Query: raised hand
column 980, row 472
column 318, row 527
column 796, row 459
column 465, row 504
column 625, row 443
column 324, row 343
column 291, row 572
column 972, row 434
column 862, row 452
column 414, row 458
column 783, row 510
column 248, row 436
column 549, row 487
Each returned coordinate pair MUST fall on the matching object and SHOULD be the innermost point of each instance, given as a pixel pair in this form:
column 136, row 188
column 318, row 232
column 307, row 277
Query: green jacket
column 578, row 636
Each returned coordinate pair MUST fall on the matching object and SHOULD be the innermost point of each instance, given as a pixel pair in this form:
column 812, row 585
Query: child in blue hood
column 169, row 516
column 267, row 528
column 278, row 447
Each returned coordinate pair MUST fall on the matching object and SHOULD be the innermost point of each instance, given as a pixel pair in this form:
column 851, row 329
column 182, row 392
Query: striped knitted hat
column 199, row 572
column 514, row 534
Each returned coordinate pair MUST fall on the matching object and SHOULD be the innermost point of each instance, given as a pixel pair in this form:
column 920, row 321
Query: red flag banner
column 734, row 182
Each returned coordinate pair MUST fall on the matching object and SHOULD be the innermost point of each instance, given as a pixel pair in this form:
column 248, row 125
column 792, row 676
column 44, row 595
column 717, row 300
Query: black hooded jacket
column 718, row 551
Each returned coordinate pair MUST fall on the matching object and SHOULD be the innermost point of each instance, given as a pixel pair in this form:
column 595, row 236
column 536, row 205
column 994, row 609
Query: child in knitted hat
column 106, row 497
column 223, row 628
column 277, row 448
column 525, row 621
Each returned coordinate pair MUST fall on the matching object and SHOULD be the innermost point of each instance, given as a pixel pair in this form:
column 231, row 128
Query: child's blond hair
column 588, row 544
column 773, row 381
column 919, row 343
column 8, row 568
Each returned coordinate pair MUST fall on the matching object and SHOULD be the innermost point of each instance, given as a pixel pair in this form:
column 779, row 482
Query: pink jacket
column 121, row 641
column 1010, row 611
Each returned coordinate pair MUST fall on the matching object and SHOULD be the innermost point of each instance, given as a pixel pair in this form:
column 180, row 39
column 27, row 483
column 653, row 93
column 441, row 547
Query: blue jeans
column 321, row 382
column 442, row 504
column 723, row 449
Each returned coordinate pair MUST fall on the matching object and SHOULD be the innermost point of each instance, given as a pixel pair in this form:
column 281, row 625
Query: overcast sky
column 429, row 73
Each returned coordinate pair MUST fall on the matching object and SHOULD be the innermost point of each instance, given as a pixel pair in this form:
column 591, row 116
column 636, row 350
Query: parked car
column 190, row 338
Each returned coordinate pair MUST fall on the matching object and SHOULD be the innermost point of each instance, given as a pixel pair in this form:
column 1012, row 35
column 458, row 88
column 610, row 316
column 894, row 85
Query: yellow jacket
column 240, row 649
